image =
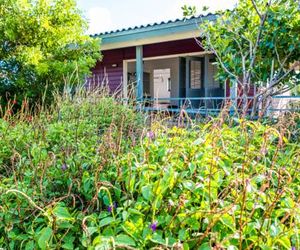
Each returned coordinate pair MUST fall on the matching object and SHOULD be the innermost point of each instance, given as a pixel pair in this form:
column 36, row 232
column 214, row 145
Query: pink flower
column 150, row 135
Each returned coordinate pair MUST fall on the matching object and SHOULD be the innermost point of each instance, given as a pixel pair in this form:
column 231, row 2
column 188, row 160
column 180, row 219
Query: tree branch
column 275, row 81
column 217, row 55
column 262, row 23
column 256, row 9
column 281, row 63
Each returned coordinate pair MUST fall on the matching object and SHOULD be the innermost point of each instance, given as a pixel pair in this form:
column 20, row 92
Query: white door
column 162, row 83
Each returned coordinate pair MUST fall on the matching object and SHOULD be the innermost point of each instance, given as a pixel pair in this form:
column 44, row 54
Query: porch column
column 234, row 91
column 206, row 78
column 139, row 73
column 187, row 77
column 233, row 97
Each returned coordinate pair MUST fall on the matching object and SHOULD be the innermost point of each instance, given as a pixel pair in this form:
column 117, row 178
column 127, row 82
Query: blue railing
column 213, row 105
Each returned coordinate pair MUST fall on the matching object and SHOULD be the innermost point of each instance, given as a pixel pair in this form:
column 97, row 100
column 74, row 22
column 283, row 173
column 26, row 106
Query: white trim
column 172, row 56
column 156, row 39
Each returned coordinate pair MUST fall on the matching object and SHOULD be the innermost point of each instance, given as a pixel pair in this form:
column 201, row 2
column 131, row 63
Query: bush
column 73, row 180
column 43, row 44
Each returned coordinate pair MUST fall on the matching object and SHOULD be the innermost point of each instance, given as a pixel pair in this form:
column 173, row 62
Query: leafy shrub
column 72, row 179
column 50, row 157
column 216, row 186
column 43, row 45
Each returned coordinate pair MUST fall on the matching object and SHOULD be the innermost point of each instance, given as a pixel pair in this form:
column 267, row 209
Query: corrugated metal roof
column 196, row 18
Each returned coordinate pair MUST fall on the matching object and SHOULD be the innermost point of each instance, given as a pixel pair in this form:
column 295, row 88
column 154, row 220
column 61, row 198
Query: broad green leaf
column 124, row 239
column 68, row 246
column 284, row 242
column 62, row 213
column 186, row 246
column 106, row 221
column 30, row 245
column 205, row 246
column 44, row 238
column 147, row 192
column 228, row 221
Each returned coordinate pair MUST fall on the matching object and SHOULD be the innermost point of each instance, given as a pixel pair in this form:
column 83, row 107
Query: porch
column 173, row 81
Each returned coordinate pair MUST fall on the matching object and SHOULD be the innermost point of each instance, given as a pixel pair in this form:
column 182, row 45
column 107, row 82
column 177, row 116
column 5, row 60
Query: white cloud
column 99, row 20
column 105, row 19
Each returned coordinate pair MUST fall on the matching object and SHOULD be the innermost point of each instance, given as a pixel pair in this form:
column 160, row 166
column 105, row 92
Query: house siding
column 104, row 72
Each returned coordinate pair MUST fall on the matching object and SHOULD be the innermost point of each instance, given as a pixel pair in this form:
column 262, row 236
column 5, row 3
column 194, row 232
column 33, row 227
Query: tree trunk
column 245, row 97
column 254, row 107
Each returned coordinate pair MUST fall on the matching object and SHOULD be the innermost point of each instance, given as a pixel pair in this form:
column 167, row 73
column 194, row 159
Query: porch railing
column 213, row 105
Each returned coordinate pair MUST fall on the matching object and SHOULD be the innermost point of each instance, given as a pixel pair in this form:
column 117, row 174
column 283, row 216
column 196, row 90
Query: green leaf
column 62, row 213
column 124, row 239
column 189, row 185
column 205, row 246
column 106, row 221
column 30, row 245
column 68, row 245
column 186, row 246
column 147, row 192
column 284, row 242
column 45, row 236
column 158, row 239
column 228, row 221
column 135, row 211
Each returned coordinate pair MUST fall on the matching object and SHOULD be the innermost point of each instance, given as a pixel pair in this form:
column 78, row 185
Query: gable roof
column 153, row 33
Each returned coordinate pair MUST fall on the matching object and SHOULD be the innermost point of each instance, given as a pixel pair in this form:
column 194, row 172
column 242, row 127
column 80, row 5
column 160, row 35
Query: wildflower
column 293, row 248
column 153, row 226
column 64, row 167
column 171, row 203
column 248, row 185
column 111, row 207
column 14, row 101
column 115, row 204
column 264, row 151
column 150, row 135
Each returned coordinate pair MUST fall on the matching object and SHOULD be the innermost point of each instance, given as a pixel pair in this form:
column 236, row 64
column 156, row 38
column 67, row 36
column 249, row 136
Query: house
column 162, row 62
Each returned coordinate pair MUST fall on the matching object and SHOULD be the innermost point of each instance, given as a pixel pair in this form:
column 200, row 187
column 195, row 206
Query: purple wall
column 112, row 60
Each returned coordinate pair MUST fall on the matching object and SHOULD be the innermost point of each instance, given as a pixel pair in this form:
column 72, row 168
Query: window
column 196, row 75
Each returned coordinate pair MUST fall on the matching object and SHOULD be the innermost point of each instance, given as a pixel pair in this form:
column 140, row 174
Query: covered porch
column 173, row 81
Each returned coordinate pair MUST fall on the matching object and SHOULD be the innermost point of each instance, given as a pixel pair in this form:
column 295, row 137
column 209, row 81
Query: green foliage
column 268, row 35
column 42, row 43
column 74, row 178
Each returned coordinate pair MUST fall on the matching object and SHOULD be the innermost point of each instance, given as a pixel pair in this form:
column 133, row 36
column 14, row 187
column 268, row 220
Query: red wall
column 251, row 92
column 116, row 57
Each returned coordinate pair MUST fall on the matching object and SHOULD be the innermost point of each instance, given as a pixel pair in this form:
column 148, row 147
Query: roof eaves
column 157, row 26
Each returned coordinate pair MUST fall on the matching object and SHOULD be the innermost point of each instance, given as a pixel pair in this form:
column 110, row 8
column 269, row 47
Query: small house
column 162, row 62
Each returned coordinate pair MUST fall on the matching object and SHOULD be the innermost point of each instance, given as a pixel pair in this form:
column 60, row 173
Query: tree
column 43, row 43
column 257, row 43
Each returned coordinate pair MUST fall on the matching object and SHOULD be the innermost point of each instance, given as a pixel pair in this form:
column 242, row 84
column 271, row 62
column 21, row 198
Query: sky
column 107, row 15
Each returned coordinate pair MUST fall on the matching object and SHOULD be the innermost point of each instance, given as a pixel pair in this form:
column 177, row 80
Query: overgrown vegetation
column 89, row 173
